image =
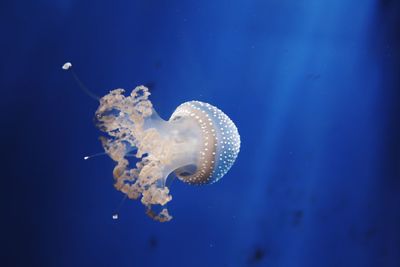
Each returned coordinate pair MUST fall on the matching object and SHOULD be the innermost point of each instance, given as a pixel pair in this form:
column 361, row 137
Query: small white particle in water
column 115, row 216
column 85, row 158
column 67, row 66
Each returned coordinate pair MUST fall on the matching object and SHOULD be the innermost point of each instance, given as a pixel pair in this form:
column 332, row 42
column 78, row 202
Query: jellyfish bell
column 199, row 144
column 217, row 138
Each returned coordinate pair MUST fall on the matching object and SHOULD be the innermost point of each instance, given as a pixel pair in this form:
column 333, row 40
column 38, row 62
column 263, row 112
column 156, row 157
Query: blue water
column 312, row 86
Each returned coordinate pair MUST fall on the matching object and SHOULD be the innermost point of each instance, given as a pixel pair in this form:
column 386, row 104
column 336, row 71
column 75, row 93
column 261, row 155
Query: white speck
column 67, row 66
column 85, row 158
column 115, row 216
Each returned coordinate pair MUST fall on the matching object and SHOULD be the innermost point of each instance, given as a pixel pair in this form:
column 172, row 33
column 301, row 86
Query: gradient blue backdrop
column 312, row 85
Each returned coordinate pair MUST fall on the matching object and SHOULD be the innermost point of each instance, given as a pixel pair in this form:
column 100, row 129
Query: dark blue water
column 313, row 87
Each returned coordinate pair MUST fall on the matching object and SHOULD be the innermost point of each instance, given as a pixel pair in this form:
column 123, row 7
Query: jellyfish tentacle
column 94, row 155
column 162, row 216
column 68, row 67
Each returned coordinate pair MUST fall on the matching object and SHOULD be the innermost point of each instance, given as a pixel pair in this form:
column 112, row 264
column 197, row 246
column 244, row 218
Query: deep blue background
column 312, row 85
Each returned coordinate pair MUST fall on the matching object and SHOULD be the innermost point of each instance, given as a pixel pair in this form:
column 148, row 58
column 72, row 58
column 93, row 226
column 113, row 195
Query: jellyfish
column 198, row 144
